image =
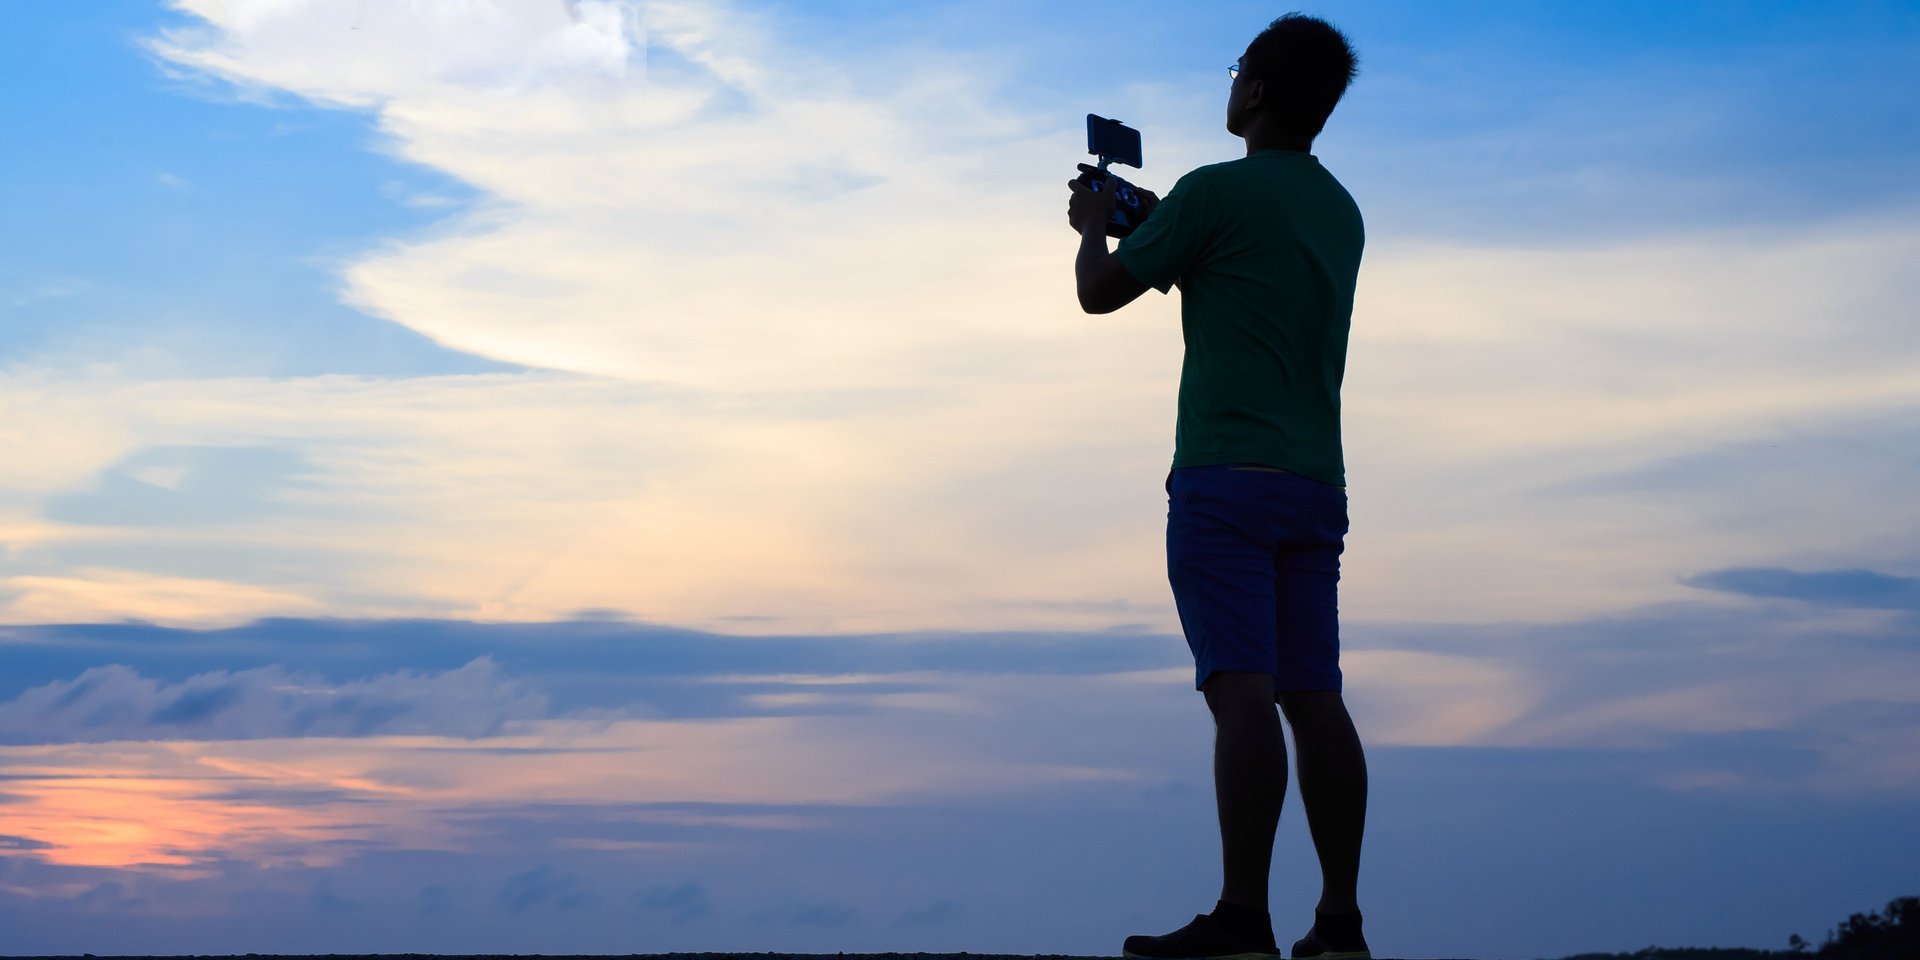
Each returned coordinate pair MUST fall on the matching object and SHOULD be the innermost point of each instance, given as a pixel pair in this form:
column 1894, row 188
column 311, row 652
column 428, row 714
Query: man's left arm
column 1103, row 282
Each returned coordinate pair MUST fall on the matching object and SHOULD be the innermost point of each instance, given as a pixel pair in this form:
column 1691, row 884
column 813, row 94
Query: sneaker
column 1333, row 937
column 1206, row 938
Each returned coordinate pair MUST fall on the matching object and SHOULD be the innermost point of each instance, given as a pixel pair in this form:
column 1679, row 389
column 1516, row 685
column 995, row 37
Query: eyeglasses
column 1233, row 70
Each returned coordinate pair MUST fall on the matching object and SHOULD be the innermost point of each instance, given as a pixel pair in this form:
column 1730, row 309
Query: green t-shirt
column 1266, row 250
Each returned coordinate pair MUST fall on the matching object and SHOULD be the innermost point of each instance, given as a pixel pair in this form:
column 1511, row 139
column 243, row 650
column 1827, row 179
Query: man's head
column 1290, row 78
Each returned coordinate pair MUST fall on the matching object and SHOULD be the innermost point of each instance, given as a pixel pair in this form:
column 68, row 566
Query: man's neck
column 1259, row 138
column 1257, row 144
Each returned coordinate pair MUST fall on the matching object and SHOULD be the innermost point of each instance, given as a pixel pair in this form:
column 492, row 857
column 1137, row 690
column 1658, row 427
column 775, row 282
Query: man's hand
column 1103, row 284
column 1088, row 207
column 1085, row 204
column 1148, row 201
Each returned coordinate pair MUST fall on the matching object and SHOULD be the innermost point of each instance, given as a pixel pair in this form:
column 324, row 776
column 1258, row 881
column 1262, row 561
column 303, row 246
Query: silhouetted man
column 1265, row 250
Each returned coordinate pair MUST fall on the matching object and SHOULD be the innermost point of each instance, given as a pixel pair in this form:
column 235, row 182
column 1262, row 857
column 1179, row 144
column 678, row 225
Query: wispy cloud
column 359, row 54
column 83, row 592
column 115, row 702
column 187, row 486
column 1841, row 588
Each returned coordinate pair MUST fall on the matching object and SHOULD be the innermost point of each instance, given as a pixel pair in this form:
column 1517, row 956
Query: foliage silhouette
column 1890, row 935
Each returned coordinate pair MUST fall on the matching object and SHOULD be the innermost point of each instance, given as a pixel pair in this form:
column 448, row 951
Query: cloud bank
column 643, row 777
column 114, row 702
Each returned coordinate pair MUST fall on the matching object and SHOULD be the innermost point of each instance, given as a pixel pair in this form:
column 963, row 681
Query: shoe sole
column 1224, row 956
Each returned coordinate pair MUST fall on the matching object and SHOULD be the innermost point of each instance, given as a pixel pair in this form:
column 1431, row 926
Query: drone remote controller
column 1128, row 211
column 1114, row 142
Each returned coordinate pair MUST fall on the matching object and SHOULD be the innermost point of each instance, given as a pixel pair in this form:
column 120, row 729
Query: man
column 1265, row 250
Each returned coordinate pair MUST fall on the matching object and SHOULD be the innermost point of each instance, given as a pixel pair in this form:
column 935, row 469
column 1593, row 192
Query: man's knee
column 1235, row 693
column 1305, row 707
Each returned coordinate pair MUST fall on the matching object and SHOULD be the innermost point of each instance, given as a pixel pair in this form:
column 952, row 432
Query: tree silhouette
column 1873, row 936
column 1890, row 935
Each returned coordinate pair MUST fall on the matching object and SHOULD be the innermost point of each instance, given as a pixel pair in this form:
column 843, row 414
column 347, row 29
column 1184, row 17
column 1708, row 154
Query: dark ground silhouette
column 1890, row 935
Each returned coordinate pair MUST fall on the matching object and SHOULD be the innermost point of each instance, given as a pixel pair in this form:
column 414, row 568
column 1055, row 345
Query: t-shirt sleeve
column 1173, row 238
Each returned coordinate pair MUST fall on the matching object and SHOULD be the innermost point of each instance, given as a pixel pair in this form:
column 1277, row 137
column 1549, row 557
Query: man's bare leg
column 1333, row 787
column 1249, row 781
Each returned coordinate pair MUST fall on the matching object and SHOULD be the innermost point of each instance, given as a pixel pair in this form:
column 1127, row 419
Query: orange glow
column 143, row 805
column 173, row 805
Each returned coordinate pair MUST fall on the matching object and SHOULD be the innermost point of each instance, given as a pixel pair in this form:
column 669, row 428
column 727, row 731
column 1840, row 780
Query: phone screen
column 1114, row 140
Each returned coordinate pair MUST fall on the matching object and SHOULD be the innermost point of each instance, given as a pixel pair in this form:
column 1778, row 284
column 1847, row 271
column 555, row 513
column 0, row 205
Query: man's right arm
column 1170, row 240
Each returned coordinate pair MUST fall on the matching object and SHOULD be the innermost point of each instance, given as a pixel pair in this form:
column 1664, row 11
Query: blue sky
column 158, row 213
column 494, row 475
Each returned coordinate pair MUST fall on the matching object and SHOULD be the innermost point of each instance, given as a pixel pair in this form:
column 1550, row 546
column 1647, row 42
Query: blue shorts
column 1254, row 559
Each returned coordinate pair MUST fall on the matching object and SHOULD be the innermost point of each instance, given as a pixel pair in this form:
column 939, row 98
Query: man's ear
column 1254, row 92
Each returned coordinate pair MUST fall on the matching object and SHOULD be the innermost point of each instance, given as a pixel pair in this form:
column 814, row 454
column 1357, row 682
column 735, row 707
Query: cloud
column 1631, row 680
column 189, row 486
column 1660, row 719
column 97, row 593
column 876, row 860
column 656, row 743
column 580, row 664
column 901, row 422
column 276, row 766
column 559, row 499
column 503, row 498
column 455, row 760
column 683, row 901
column 625, row 210
column 413, row 792
column 1416, row 697
column 323, row 899
column 51, row 288
column 115, row 702
column 1739, row 695
column 1865, row 589
column 361, row 54
column 543, row 885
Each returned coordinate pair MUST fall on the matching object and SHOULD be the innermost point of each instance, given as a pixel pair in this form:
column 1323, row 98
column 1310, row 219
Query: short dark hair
column 1305, row 65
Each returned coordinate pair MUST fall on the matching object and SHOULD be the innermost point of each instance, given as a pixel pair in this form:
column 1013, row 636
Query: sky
column 511, row 476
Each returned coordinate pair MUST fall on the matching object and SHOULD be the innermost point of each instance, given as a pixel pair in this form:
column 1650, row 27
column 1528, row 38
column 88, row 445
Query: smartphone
column 1113, row 140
